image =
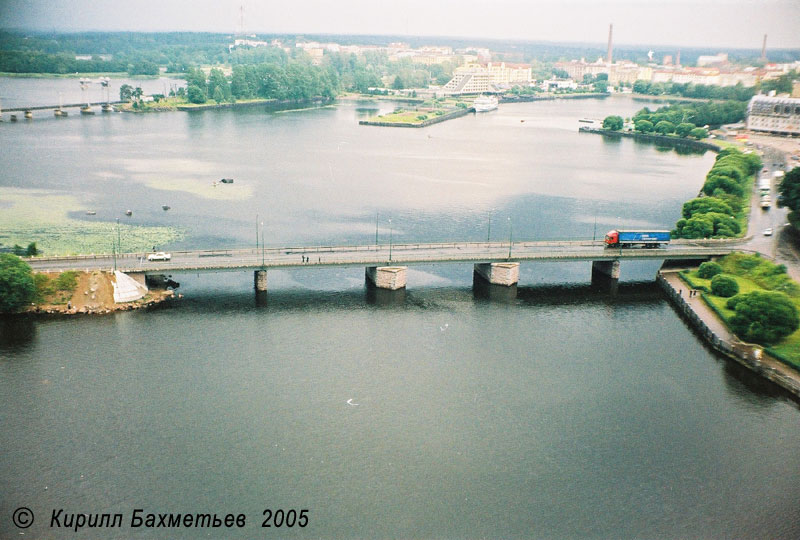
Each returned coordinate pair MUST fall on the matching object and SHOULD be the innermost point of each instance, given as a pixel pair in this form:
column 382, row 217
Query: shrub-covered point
column 709, row 269
column 16, row 283
column 715, row 216
column 763, row 317
column 724, row 286
column 696, row 114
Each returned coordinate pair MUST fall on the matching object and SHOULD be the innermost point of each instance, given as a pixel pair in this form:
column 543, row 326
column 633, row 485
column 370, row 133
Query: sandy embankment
column 94, row 293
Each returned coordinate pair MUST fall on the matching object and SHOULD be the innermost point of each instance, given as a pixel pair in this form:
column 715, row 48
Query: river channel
column 438, row 412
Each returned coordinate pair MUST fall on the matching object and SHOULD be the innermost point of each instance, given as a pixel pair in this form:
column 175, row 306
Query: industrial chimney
column 610, row 30
column 764, row 48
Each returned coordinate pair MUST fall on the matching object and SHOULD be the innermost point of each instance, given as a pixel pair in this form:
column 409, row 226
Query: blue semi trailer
column 648, row 239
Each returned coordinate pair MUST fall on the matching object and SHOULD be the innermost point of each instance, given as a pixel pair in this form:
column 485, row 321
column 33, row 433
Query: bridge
column 386, row 264
column 59, row 109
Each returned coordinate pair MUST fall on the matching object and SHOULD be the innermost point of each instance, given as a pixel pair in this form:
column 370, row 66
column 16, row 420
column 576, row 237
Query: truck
column 764, row 185
column 647, row 239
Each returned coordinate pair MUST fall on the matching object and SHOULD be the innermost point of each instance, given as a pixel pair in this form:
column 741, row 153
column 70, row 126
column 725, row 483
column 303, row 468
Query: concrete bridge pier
column 502, row 273
column 260, row 280
column 28, row 115
column 387, row 277
column 605, row 275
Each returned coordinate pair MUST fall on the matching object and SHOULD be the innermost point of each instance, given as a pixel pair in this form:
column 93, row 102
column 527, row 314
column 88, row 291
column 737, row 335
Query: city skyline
column 739, row 24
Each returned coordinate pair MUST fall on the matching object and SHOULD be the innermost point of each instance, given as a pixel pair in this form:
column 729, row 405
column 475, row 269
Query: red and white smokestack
column 610, row 32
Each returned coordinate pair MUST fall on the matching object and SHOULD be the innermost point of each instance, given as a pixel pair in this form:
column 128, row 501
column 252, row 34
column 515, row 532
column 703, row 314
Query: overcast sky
column 703, row 23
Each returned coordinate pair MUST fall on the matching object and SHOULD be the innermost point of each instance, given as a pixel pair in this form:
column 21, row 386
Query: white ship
column 485, row 103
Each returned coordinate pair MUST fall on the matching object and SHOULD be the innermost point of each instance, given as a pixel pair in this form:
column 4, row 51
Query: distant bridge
column 56, row 107
column 497, row 262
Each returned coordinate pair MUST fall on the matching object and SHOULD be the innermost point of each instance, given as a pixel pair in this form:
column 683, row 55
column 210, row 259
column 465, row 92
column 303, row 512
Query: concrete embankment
column 706, row 322
column 435, row 120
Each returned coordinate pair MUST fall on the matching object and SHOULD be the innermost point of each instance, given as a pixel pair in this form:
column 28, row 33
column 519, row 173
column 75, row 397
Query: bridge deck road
column 376, row 255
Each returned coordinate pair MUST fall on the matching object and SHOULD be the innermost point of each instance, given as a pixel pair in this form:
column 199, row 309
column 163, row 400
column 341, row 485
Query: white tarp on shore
column 127, row 289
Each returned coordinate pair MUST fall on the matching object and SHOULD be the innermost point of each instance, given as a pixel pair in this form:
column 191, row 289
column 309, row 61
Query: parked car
column 159, row 256
column 768, row 232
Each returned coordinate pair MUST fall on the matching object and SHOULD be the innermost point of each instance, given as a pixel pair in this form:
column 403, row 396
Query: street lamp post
column 510, row 233
column 489, row 232
column 390, row 240
column 376, row 230
column 256, row 233
column 262, row 244
column 119, row 242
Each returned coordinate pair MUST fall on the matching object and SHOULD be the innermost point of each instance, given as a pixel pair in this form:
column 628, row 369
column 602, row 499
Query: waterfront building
column 478, row 79
column 774, row 114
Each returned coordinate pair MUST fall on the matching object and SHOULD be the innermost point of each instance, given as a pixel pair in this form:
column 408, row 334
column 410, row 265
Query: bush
column 613, row 123
column 709, row 269
column 763, row 317
column 684, row 129
column 664, row 127
column 16, row 283
column 698, row 133
column 195, row 95
column 645, row 126
column 724, row 286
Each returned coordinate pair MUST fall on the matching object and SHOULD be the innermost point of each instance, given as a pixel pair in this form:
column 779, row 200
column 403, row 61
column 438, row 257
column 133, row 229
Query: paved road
column 773, row 218
column 371, row 255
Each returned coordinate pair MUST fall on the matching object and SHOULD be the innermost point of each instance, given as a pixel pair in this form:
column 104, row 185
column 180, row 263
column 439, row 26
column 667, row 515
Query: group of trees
column 715, row 214
column 689, row 119
column 17, row 286
column 790, row 194
column 739, row 92
column 683, row 120
column 296, row 80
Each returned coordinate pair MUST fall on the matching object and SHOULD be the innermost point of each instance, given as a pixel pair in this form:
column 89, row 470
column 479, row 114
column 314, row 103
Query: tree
column 724, row 183
column 684, row 129
column 398, row 83
column 613, row 123
column 724, row 286
column 137, row 93
column 698, row 133
column 763, row 316
column 709, row 269
column 702, row 205
column 645, row 126
column 664, row 127
column 32, row 251
column 125, row 92
column 789, row 188
column 195, row 95
column 219, row 95
column 16, row 283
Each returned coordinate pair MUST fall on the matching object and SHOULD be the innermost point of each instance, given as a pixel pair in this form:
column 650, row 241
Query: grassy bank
column 752, row 273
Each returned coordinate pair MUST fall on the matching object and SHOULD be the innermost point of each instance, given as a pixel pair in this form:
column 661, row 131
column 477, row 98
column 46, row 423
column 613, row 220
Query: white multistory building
column 479, row 79
column 774, row 114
